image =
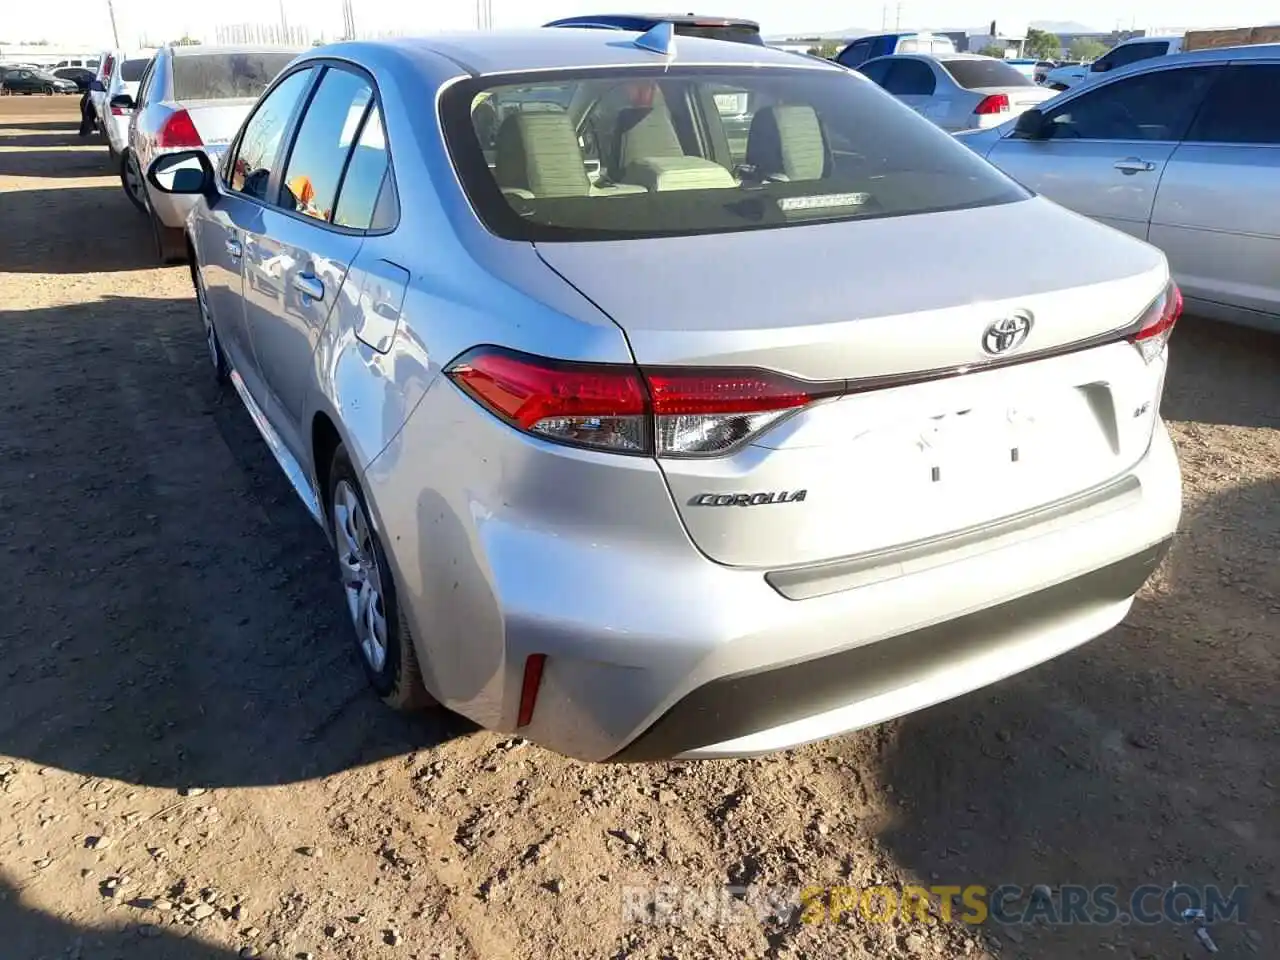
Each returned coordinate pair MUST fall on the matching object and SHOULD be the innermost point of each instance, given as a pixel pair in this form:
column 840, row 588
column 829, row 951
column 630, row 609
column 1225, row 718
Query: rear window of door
column 910, row 78
column 365, row 200
column 1242, row 107
column 876, row 70
column 326, row 133
column 131, row 70
column 224, row 76
column 857, row 52
column 1153, row 106
column 259, row 144
column 1132, row 53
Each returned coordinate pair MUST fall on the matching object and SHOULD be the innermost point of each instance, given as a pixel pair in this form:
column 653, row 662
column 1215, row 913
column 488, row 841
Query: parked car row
column 431, row 314
column 1183, row 152
column 29, row 80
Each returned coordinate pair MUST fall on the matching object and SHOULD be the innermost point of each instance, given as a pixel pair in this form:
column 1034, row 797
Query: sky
column 86, row 22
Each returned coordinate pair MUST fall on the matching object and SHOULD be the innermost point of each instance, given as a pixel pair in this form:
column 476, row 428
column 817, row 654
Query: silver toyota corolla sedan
column 1182, row 151
column 643, row 439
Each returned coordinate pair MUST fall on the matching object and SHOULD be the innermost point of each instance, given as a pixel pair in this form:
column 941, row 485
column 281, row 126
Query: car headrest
column 787, row 141
column 539, row 152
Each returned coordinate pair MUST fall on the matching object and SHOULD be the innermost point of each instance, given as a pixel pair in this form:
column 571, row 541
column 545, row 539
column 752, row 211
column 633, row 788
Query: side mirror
column 123, row 101
column 1030, row 125
column 187, row 172
column 97, row 86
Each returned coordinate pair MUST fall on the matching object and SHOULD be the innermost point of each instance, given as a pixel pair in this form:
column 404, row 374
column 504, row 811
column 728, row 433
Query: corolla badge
column 748, row 499
column 1007, row 333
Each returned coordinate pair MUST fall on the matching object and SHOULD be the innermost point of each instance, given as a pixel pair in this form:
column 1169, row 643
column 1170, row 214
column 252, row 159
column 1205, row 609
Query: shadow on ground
column 1240, row 367
column 20, row 124
column 101, row 231
column 1143, row 758
column 179, row 621
column 31, row 934
column 43, row 141
column 85, row 161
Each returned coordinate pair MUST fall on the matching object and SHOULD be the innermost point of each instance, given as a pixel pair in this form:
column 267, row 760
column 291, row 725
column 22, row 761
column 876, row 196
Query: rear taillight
column 119, row 112
column 663, row 411
column 178, row 132
column 1153, row 328
column 996, row 103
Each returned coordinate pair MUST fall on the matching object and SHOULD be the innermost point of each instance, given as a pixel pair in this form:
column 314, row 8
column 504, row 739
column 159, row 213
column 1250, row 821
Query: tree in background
column 827, row 49
column 991, row 50
column 1085, row 49
column 1043, row 45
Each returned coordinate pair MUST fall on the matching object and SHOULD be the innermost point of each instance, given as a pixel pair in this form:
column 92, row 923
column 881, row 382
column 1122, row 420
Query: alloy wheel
column 361, row 575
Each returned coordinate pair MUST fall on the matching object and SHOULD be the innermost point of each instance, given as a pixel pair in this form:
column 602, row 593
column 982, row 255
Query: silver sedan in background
column 188, row 97
column 957, row 91
column 1182, row 151
column 643, row 440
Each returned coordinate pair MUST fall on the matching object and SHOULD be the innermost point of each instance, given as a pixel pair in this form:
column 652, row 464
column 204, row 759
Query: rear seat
column 787, row 143
column 538, row 156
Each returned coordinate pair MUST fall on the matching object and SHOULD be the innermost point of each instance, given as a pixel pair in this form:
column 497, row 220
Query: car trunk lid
column 894, row 311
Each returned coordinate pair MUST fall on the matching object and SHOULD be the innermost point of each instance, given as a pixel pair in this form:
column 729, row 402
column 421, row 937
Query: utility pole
column 115, row 34
column 284, row 24
column 897, row 23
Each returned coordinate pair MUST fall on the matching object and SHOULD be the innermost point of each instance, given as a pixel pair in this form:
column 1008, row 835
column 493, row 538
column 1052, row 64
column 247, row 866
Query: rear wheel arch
column 325, row 440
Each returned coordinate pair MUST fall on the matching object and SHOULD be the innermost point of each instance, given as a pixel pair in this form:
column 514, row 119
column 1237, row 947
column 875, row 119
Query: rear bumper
column 771, row 709
column 654, row 651
column 171, row 209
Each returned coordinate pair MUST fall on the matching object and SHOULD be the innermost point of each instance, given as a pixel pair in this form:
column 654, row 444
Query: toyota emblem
column 1007, row 334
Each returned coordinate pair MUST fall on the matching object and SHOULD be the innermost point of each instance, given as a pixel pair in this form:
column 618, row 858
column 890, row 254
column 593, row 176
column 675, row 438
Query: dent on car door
column 296, row 263
column 1217, row 214
column 1103, row 151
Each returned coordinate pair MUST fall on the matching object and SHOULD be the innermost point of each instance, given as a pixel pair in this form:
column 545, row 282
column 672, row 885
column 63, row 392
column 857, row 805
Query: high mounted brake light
column 663, row 411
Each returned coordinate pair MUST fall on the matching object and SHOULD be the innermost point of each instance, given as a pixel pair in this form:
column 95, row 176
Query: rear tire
column 48, row 91
column 389, row 660
column 129, row 171
column 221, row 369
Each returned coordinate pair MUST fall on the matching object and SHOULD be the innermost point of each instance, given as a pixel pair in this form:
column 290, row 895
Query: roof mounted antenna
column 660, row 39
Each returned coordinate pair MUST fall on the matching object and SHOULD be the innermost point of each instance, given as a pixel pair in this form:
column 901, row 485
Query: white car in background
column 958, row 91
column 1121, row 55
column 115, row 116
column 190, row 97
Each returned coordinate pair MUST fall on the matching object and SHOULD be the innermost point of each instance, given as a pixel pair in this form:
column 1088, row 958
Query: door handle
column 1133, row 165
column 309, row 285
column 234, row 250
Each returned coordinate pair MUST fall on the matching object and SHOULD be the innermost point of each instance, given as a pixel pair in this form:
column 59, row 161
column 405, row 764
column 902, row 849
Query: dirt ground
column 192, row 767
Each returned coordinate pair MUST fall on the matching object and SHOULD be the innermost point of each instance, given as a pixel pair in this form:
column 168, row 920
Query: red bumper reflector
column 529, row 689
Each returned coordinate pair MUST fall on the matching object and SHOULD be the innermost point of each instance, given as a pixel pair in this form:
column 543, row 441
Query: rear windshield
column 987, row 72
column 614, row 154
column 131, row 70
column 735, row 33
column 222, row 76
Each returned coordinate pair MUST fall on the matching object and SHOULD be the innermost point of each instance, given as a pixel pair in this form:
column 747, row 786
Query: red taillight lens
column 996, row 103
column 1157, row 323
column 595, row 405
column 119, row 112
column 667, row 411
column 179, row 132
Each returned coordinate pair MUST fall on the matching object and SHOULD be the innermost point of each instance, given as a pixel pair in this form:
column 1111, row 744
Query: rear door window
column 131, row 70
column 1242, row 107
column 876, row 71
column 326, row 134
column 1152, row 106
column 856, row 53
column 225, row 76
column 362, row 185
column 910, row 78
